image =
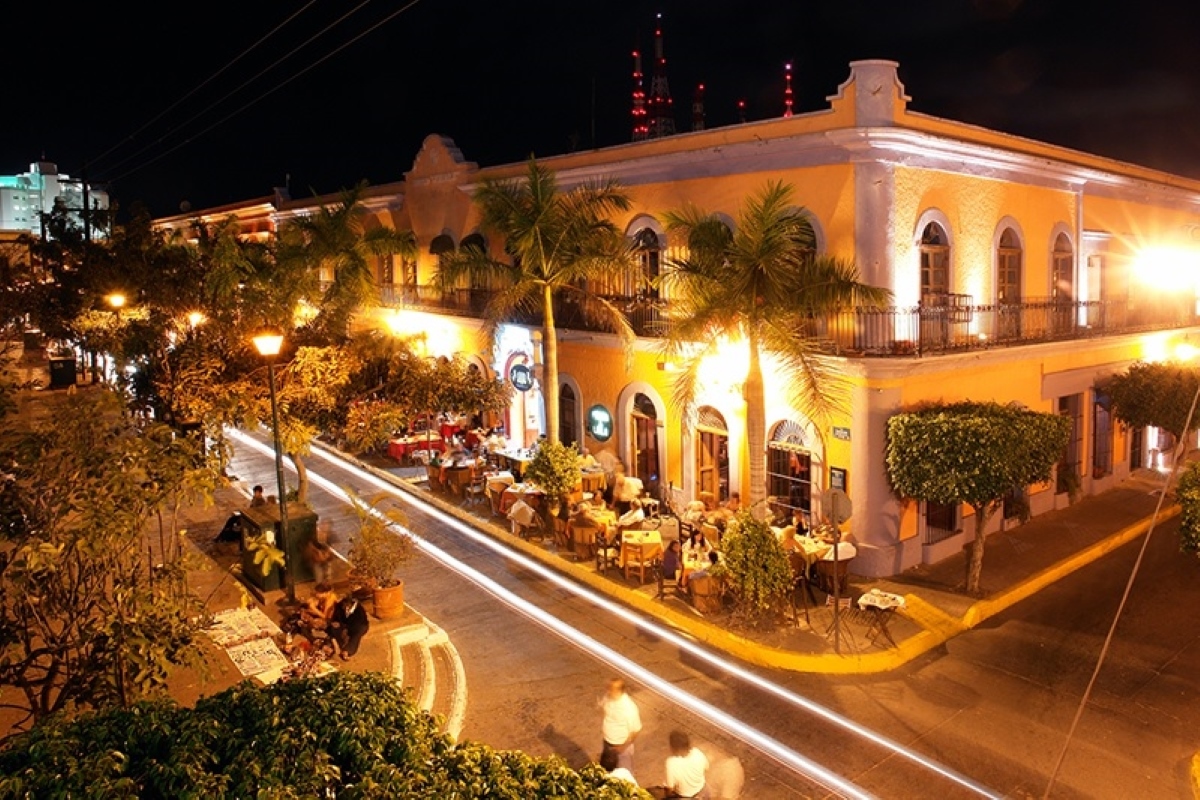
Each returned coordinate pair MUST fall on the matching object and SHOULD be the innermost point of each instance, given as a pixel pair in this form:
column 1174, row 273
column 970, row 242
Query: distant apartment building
column 25, row 197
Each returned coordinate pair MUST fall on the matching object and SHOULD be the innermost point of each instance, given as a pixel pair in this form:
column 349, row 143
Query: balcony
column 953, row 326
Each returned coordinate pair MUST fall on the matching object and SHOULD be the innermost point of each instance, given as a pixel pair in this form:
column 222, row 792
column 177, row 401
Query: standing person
column 350, row 624
column 687, row 768
column 622, row 723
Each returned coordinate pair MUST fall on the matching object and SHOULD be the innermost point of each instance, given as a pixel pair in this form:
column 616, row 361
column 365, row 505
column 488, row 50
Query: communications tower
column 662, row 120
column 787, row 92
column 641, row 128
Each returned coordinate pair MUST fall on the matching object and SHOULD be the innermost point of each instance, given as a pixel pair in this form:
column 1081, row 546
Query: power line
column 246, row 83
column 200, row 86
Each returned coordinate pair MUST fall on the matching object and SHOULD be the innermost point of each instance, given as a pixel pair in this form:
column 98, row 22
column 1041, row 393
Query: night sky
column 505, row 80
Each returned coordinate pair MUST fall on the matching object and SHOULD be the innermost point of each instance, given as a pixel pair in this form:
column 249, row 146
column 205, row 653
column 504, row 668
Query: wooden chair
column 635, row 558
column 435, row 477
column 562, row 535
column 607, row 552
column 476, row 490
column 800, row 583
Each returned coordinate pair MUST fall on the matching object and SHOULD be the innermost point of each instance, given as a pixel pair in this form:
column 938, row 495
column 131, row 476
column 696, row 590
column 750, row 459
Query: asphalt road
column 993, row 704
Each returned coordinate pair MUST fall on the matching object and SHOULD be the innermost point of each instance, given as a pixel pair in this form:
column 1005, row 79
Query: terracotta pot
column 389, row 602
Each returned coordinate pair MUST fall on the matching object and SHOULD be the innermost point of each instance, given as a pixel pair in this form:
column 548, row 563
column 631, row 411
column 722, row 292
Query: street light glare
column 195, row 318
column 268, row 343
column 116, row 300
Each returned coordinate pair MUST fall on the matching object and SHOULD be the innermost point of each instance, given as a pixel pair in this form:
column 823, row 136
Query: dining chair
column 635, row 559
column 801, row 584
column 476, row 490
column 607, row 552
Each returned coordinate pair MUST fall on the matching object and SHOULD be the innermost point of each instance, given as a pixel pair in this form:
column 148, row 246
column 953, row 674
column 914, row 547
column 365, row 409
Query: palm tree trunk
column 550, row 367
column 756, row 423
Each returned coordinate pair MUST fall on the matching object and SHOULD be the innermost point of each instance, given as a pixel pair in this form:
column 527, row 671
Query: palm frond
column 815, row 383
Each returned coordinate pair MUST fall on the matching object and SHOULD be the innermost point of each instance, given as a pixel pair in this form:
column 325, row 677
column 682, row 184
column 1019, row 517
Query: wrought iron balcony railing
column 925, row 329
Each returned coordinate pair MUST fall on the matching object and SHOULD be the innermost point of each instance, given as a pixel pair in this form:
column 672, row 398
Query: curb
column 939, row 627
column 1196, row 776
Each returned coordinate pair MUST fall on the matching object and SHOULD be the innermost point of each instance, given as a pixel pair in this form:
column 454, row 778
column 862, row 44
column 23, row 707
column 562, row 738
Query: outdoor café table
column 593, row 480
column 812, row 549
column 516, row 460
column 403, row 447
column 457, row 476
column 641, row 546
column 880, row 605
column 528, row 492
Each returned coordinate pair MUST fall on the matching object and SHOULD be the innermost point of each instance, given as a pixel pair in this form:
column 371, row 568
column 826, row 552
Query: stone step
column 425, row 662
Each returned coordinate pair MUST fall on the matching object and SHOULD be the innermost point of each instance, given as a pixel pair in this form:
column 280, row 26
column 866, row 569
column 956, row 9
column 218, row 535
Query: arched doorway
column 643, row 428
column 568, row 414
column 790, row 470
column 712, row 454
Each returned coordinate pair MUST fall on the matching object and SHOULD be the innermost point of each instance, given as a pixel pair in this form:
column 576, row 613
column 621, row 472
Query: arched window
column 712, row 454
column 1008, row 286
column 643, row 424
column 567, row 415
column 649, row 255
column 1008, row 268
column 441, row 245
column 1062, row 270
column 935, row 265
column 789, row 470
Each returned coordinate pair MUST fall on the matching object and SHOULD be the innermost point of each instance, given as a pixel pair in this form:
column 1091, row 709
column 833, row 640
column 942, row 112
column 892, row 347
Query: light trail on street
column 751, row 736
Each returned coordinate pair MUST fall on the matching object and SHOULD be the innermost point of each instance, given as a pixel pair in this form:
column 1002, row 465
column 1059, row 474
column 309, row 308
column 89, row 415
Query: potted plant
column 555, row 470
column 378, row 550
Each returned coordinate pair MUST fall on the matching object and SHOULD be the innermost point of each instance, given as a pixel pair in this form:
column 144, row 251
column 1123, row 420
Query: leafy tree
column 344, row 735
column 1155, row 394
column 342, row 240
column 763, row 285
column 558, row 241
column 757, row 566
column 86, row 618
column 1188, row 493
column 973, row 453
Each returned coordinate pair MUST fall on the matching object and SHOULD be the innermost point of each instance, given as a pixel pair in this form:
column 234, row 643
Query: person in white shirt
column 626, row 489
column 621, row 724
column 608, row 760
column 687, row 768
column 633, row 516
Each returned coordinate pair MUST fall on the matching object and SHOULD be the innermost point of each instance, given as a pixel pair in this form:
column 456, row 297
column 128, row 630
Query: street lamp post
column 268, row 344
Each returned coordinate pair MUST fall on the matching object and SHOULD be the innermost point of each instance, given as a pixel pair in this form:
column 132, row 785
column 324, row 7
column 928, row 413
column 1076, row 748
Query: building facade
column 1020, row 272
column 28, row 195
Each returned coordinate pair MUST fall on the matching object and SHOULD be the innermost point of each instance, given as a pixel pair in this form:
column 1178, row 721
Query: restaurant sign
column 841, row 433
column 521, row 377
column 599, row 423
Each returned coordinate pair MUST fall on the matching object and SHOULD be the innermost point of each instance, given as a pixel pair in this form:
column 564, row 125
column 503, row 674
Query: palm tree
column 338, row 237
column 765, row 285
column 558, row 241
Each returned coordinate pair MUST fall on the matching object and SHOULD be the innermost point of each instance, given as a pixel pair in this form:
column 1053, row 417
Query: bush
column 756, row 565
column 1188, row 493
column 349, row 735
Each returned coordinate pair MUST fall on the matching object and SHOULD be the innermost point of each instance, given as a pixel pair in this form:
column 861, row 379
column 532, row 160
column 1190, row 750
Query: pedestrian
column 349, row 626
column 257, row 499
column 687, row 769
column 609, row 762
column 621, row 724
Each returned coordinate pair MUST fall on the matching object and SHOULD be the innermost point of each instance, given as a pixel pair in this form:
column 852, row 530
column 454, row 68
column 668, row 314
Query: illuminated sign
column 599, row 423
column 521, row 377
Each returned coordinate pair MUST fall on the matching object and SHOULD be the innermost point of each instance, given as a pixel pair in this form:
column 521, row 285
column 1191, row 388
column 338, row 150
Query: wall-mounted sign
column 599, row 423
column 837, row 478
column 521, row 377
column 841, row 433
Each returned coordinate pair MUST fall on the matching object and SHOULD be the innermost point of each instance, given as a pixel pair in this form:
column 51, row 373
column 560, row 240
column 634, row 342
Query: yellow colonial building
column 1020, row 272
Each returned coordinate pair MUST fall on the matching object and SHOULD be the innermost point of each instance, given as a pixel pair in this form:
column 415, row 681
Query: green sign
column 599, row 423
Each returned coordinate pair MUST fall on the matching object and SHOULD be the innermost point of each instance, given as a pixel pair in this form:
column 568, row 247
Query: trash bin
column 62, row 372
column 302, row 528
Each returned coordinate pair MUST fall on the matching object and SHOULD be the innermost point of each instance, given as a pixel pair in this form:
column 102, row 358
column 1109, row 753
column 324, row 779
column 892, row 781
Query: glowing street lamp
column 268, row 343
column 196, row 319
column 116, row 300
